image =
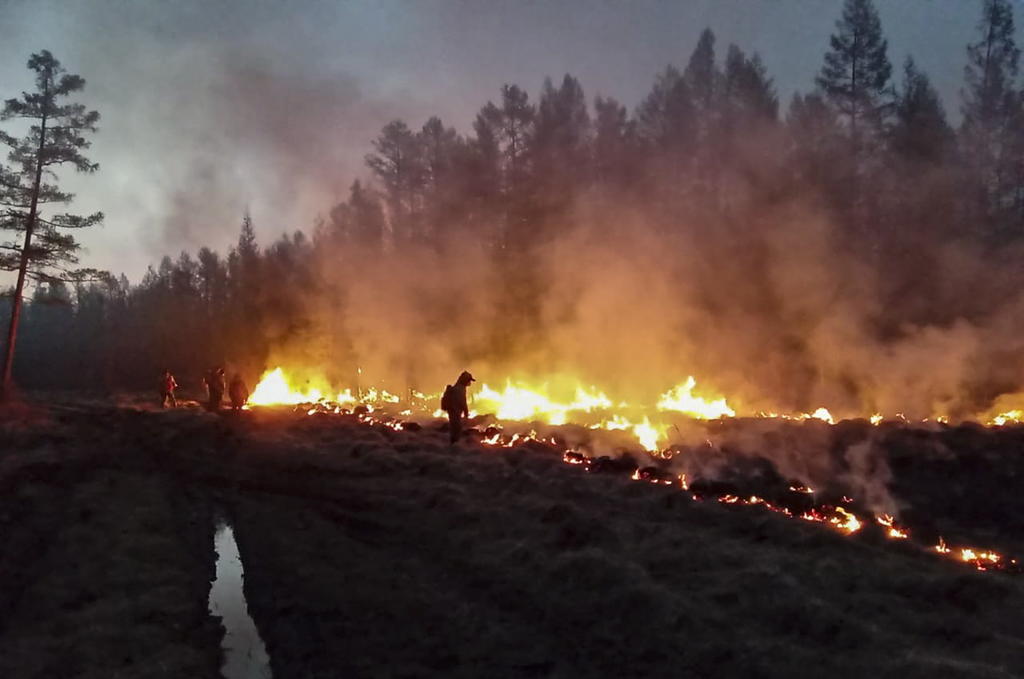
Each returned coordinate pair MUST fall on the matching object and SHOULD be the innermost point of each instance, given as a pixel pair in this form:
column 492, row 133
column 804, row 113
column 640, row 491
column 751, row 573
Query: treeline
column 708, row 150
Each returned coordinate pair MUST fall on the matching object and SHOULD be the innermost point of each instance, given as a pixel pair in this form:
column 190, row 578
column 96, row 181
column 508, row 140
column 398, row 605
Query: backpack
column 448, row 398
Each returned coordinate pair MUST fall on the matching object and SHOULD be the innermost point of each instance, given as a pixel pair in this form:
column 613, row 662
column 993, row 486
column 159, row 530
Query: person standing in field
column 453, row 402
column 238, row 392
column 167, row 387
column 214, row 388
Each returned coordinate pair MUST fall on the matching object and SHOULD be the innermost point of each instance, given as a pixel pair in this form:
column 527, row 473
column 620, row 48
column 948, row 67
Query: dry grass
column 374, row 553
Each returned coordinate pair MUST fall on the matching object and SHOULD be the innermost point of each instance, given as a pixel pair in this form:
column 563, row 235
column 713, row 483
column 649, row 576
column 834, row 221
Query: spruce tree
column 41, row 247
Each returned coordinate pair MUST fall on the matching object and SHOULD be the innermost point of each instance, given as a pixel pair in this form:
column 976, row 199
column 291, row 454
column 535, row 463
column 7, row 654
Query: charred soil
column 370, row 552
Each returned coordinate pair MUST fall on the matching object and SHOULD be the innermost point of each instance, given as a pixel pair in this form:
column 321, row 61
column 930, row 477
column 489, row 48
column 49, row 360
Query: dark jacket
column 454, row 400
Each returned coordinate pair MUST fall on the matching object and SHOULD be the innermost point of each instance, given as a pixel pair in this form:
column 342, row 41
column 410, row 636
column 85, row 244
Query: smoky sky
column 210, row 108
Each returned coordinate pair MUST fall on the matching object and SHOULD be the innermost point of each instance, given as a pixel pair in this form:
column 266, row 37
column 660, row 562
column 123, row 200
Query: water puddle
column 245, row 656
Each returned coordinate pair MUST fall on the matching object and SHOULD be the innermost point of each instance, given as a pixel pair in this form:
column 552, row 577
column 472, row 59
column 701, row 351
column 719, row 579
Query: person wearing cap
column 453, row 402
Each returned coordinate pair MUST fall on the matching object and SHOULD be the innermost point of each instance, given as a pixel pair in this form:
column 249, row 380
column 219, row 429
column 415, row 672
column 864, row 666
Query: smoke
column 266, row 136
column 775, row 315
column 207, row 111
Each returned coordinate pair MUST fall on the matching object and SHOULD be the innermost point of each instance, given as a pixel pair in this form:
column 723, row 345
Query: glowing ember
column 835, row 516
column 893, row 530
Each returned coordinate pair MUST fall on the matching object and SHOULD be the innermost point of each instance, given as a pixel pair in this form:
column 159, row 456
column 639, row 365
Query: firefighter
column 238, row 392
column 453, row 402
column 214, row 388
column 167, row 387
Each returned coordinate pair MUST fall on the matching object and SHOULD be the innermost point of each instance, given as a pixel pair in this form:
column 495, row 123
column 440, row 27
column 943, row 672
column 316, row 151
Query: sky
column 210, row 108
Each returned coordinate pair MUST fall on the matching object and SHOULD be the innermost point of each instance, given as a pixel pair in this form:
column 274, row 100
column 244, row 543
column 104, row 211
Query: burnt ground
column 374, row 553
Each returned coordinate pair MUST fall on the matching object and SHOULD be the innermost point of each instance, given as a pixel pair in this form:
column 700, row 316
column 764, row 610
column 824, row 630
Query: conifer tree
column 398, row 163
column 991, row 119
column 41, row 247
column 920, row 132
column 855, row 77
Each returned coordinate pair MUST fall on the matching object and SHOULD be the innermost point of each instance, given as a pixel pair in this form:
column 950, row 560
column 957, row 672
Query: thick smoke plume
column 774, row 316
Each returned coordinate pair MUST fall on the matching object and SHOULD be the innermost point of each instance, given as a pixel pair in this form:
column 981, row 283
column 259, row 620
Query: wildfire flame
column 518, row 402
column 893, row 530
column 681, row 399
column 1009, row 417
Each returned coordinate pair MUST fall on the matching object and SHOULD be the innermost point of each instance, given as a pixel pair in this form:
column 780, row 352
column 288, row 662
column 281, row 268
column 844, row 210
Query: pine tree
column 398, row 163
column 510, row 127
column 921, row 145
column 247, row 247
column 991, row 120
column 856, row 73
column 815, row 136
column 615, row 152
column 440, row 146
column 701, row 74
column 667, row 126
column 359, row 222
column 46, row 252
column 992, row 65
column 482, row 180
column 513, row 125
column 855, row 81
column 748, row 93
column 560, row 145
column 920, row 132
column 444, row 176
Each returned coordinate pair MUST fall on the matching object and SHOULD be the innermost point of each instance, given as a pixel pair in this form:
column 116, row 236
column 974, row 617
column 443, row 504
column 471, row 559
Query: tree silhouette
column 991, row 126
column 55, row 138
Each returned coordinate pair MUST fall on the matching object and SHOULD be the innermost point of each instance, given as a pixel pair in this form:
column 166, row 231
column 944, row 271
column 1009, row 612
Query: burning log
column 574, row 457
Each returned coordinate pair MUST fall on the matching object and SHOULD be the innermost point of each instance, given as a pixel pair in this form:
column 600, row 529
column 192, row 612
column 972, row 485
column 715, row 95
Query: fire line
column 516, row 402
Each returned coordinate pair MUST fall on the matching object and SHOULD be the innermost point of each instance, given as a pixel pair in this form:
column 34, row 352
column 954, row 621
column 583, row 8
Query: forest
column 858, row 245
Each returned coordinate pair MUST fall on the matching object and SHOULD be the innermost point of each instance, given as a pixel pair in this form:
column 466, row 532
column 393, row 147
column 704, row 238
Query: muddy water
column 245, row 656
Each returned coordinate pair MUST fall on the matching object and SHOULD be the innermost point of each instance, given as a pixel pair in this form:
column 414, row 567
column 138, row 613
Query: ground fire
column 511, row 408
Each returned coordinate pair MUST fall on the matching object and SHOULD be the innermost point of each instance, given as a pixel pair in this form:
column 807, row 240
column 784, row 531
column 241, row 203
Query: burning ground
column 372, row 550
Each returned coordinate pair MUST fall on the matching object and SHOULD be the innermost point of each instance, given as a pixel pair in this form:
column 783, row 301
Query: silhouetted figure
column 167, row 387
column 453, row 402
column 214, row 388
column 238, row 392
